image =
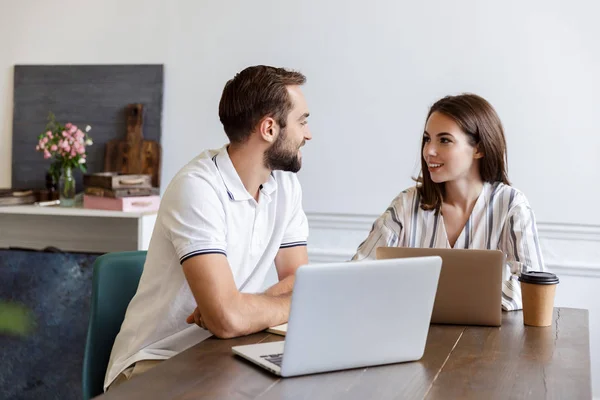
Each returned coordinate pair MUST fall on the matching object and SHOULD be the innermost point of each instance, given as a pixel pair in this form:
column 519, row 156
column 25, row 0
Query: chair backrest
column 115, row 281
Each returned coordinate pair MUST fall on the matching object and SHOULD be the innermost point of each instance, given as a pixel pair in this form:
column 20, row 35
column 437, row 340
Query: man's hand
column 196, row 318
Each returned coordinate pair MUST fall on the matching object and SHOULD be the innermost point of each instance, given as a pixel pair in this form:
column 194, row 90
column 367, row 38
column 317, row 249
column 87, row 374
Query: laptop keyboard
column 274, row 358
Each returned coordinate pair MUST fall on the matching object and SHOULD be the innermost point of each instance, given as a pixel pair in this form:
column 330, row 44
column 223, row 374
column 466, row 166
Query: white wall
column 373, row 69
column 372, row 73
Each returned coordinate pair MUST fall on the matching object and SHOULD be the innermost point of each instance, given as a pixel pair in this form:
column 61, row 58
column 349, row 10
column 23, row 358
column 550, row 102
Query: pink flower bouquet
column 65, row 145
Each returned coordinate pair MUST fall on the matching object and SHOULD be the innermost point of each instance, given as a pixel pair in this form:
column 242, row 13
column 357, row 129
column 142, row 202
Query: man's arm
column 287, row 262
column 224, row 310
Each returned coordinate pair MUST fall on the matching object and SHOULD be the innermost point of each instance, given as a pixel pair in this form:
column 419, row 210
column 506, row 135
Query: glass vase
column 66, row 187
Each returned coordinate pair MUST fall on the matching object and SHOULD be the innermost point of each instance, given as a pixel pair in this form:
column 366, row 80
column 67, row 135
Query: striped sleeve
column 520, row 242
column 385, row 233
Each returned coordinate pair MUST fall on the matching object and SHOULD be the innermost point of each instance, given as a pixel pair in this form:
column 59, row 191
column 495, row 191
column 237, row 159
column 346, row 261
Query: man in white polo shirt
column 223, row 220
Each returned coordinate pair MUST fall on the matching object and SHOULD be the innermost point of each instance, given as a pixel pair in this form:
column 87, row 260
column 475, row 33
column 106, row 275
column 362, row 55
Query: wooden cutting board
column 134, row 155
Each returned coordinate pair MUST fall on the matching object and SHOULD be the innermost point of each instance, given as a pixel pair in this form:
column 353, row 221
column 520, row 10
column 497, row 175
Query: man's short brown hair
column 254, row 93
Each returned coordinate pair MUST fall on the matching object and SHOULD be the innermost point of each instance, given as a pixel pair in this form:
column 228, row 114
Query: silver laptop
column 352, row 315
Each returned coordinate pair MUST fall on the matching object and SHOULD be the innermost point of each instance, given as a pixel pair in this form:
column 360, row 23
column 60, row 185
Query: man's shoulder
column 201, row 166
column 199, row 177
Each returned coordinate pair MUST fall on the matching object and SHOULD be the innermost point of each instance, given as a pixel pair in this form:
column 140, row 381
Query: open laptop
column 351, row 315
column 470, row 287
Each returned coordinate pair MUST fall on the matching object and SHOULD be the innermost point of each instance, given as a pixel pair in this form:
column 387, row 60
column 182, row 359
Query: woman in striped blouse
column 462, row 199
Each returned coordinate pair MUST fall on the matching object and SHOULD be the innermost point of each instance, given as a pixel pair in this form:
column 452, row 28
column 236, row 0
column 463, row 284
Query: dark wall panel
column 93, row 95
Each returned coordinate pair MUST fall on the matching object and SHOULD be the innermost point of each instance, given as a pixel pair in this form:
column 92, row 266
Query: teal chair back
column 115, row 281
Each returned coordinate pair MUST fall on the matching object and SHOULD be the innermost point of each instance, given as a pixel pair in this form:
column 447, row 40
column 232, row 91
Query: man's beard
column 280, row 157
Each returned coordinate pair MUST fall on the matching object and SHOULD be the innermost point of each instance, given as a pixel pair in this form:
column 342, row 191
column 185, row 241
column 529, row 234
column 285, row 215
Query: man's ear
column 268, row 129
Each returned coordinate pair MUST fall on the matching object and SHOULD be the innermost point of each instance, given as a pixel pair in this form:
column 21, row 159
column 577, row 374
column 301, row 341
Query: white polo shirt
column 205, row 209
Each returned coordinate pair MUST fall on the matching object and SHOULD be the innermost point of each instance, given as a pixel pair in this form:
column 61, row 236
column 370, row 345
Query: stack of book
column 120, row 192
column 10, row 197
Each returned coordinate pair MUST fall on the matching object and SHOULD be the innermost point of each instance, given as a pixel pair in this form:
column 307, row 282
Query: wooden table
column 511, row 362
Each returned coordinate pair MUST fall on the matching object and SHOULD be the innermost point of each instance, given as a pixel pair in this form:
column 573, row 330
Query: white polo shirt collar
column 235, row 188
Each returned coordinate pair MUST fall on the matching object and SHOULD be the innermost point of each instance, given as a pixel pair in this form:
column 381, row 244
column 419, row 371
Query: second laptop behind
column 470, row 286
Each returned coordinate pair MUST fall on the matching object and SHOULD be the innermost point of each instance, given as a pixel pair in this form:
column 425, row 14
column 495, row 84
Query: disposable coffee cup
column 537, row 290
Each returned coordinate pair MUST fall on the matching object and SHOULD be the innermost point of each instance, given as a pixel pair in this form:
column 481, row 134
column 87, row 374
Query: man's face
column 284, row 154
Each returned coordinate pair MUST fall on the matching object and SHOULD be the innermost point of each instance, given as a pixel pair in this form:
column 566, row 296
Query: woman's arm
column 385, row 233
column 520, row 242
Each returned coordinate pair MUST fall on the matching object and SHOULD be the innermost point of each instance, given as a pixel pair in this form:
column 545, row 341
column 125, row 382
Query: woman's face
column 447, row 152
